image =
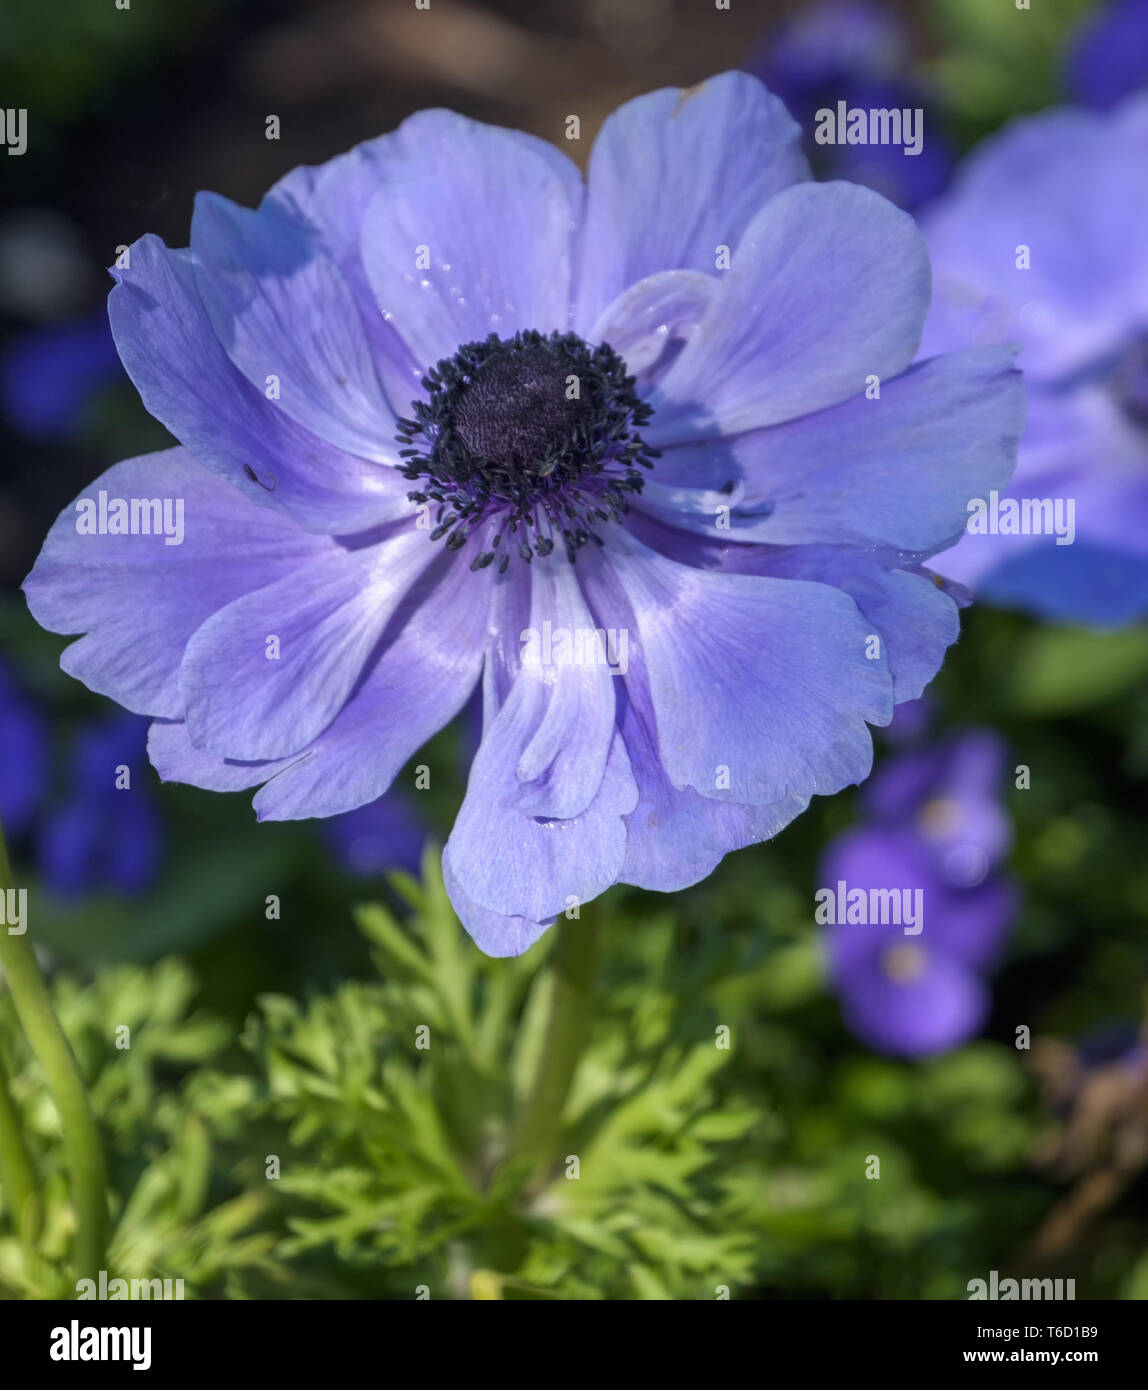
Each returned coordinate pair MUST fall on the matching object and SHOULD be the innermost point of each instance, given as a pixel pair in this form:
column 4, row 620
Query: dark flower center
column 530, row 441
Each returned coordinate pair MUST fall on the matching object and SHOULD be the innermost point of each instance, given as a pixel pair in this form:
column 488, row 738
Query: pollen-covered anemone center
column 526, row 443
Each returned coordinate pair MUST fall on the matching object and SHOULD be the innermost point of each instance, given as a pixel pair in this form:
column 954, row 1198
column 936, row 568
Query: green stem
column 536, row 1129
column 82, row 1147
column 16, row 1174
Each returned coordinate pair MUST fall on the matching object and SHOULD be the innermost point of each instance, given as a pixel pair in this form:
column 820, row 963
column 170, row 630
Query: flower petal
column 896, row 472
column 828, row 286
column 676, row 174
column 761, row 687
column 493, row 225
column 492, row 932
column 187, row 381
column 674, row 836
column 652, row 321
column 140, row 599
column 267, row 674
column 421, row 678
column 1063, row 186
column 281, row 309
column 540, row 865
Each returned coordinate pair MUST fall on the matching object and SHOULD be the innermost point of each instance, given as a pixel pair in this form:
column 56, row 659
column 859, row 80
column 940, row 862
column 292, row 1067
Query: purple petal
column 427, row 667
column 778, row 667
column 492, row 932
column 943, row 432
column 676, row 174
column 248, row 700
column 140, row 599
column 652, row 321
column 829, row 285
column 168, row 345
column 495, row 222
column 280, row 308
column 541, row 866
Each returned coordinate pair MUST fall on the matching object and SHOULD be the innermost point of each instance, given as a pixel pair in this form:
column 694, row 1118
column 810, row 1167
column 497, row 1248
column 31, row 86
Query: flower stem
column 81, row 1138
column 16, row 1175
column 536, row 1129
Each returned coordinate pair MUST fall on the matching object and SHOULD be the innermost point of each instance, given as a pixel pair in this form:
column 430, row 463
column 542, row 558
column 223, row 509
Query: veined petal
column 677, row 174
column 543, row 864
column 492, row 932
column 267, row 674
column 482, row 247
column 283, row 312
column 896, row 472
column 187, row 381
column 138, row 598
column 425, row 671
column 761, row 688
column 828, row 286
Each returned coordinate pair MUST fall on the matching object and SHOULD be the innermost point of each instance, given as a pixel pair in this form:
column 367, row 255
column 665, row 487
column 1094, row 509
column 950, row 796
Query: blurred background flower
column 50, row 375
column 378, row 838
column 933, row 823
column 103, row 833
column 858, row 53
column 1033, row 245
column 1108, row 56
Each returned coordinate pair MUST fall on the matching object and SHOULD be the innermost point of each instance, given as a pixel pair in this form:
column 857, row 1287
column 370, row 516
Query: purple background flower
column 376, row 838
column 1068, row 185
column 1108, row 59
column 933, row 822
column 851, row 51
column 49, row 375
column 100, row 837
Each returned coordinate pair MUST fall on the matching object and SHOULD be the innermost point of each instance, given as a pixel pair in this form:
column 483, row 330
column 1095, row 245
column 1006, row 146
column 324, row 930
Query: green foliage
column 354, row 1143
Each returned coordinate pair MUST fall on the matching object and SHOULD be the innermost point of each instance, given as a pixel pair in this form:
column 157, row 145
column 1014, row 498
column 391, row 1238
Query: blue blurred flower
column 1041, row 242
column 934, row 824
column 1108, row 59
column 49, row 374
column 420, row 382
column 104, row 834
column 24, row 758
column 383, row 835
column 852, row 51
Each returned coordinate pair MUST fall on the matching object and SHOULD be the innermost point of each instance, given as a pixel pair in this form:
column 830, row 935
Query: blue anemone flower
column 104, row 833
column 859, row 53
column 1035, row 243
column 379, row 837
column 1108, row 57
column 50, row 373
column 648, row 457
column 935, row 827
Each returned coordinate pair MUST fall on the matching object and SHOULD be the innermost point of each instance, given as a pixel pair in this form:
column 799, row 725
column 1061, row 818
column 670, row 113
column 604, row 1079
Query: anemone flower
column 648, row 456
column 934, row 826
column 1032, row 244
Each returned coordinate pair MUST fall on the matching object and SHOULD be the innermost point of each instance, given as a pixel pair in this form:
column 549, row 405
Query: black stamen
column 534, row 430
